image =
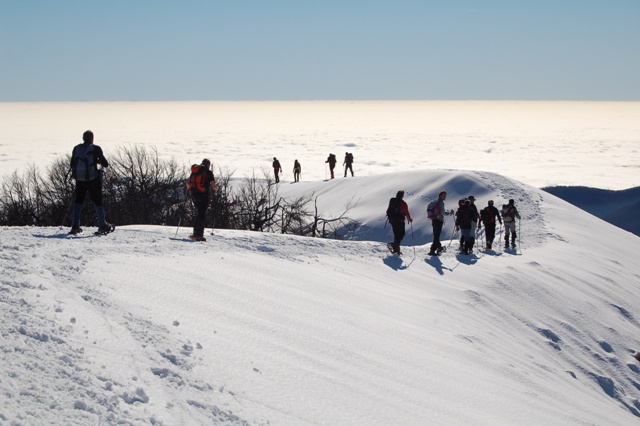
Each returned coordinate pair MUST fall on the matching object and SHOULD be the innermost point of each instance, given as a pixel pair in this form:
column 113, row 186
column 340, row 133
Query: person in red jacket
column 397, row 211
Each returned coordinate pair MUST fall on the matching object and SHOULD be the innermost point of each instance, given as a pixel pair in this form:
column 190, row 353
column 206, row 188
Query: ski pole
column 413, row 240
column 178, row 228
column 66, row 214
column 519, row 234
column 213, row 212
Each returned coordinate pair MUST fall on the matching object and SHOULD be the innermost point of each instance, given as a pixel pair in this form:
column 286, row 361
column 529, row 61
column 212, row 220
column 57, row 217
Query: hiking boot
column 201, row 239
column 431, row 253
column 106, row 228
column 75, row 231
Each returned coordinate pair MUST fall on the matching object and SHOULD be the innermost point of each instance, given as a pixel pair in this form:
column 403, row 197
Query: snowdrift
column 144, row 327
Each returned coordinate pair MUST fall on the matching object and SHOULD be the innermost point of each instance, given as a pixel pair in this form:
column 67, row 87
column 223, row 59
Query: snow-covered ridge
column 143, row 327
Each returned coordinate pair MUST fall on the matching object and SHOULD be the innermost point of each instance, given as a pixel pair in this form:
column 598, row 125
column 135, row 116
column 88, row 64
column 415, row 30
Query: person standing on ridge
column 332, row 163
column 200, row 183
column 488, row 216
column 396, row 213
column 348, row 163
column 509, row 215
column 87, row 165
column 277, row 168
column 297, row 169
column 437, row 221
column 464, row 221
column 475, row 225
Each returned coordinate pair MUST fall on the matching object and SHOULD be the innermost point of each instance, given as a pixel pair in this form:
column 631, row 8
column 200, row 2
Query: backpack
column 393, row 211
column 332, row 158
column 488, row 215
column 84, row 165
column 508, row 211
column 349, row 158
column 197, row 181
column 431, row 210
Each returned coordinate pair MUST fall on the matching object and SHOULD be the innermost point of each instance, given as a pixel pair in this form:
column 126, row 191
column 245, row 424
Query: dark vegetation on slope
column 139, row 188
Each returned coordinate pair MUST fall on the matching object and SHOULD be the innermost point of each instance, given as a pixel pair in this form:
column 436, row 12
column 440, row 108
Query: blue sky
column 331, row 49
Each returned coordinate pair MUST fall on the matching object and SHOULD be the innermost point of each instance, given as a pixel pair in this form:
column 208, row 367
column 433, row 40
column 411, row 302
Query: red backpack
column 198, row 180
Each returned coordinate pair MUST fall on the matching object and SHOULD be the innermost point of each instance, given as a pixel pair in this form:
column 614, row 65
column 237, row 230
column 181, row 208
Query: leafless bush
column 140, row 188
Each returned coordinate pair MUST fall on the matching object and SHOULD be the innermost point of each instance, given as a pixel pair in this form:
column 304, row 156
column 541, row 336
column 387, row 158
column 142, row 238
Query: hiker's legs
column 201, row 204
column 398, row 234
column 437, row 231
column 81, row 191
column 490, row 233
column 509, row 229
column 95, row 192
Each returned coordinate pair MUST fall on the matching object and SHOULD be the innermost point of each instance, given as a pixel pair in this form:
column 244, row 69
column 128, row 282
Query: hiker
column 276, row 168
column 348, row 163
column 509, row 215
column 396, row 213
column 464, row 223
column 437, row 221
column 475, row 225
column 87, row 165
column 332, row 164
column 488, row 216
column 200, row 183
column 297, row 169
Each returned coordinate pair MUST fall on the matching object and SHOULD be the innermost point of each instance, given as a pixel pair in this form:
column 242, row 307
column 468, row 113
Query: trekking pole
column 213, row 212
column 413, row 240
column 454, row 235
column 66, row 214
column 182, row 215
column 519, row 234
column 178, row 228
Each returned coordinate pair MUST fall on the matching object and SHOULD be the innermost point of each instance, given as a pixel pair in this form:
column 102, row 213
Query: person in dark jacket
column 200, row 195
column 277, row 169
column 87, row 165
column 475, row 216
column 348, row 163
column 397, row 211
column 297, row 169
column 437, row 223
column 464, row 220
column 332, row 164
column 488, row 216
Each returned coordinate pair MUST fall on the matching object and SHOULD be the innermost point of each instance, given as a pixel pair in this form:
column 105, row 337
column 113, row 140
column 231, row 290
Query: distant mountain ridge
column 620, row 208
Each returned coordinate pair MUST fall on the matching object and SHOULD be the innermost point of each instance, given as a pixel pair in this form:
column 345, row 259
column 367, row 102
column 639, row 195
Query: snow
column 143, row 327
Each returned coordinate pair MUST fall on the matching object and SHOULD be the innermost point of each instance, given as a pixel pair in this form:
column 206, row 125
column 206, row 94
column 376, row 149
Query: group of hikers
column 88, row 163
column 468, row 220
column 347, row 163
column 331, row 161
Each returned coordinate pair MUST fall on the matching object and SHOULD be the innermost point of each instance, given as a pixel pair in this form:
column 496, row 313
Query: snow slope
column 143, row 327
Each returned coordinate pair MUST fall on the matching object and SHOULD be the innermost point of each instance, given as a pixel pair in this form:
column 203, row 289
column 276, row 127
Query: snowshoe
column 75, row 231
column 107, row 228
column 393, row 250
